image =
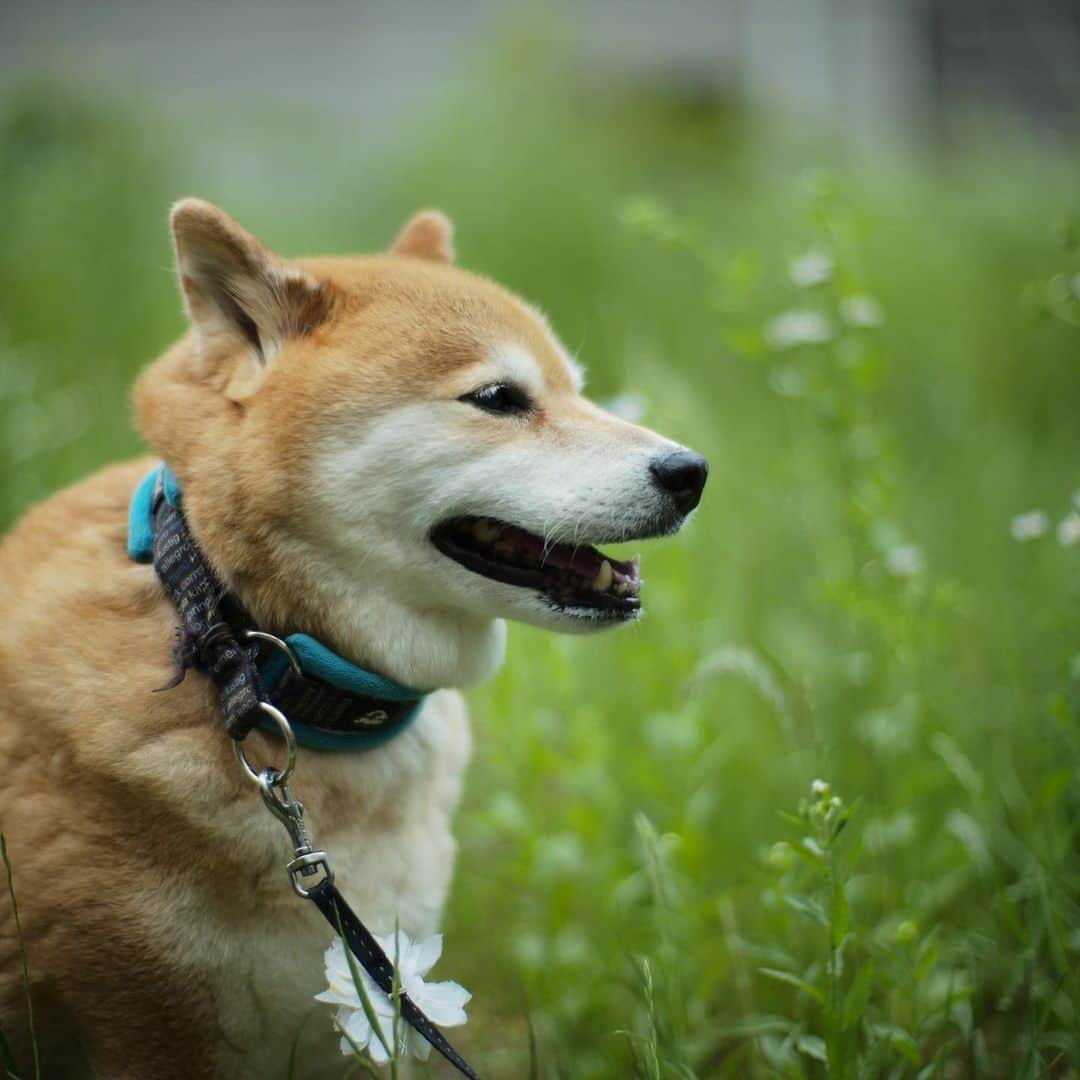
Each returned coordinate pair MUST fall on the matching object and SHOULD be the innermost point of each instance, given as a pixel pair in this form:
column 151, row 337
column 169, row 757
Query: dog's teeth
column 602, row 581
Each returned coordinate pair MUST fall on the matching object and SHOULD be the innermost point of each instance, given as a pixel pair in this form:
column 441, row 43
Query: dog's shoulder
column 66, row 580
column 77, row 611
column 80, row 525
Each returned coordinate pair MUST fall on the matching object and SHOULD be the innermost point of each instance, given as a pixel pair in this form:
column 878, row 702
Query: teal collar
column 327, row 683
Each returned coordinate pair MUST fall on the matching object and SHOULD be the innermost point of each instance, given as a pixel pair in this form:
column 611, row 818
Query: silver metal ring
column 284, row 646
column 307, row 865
column 285, row 728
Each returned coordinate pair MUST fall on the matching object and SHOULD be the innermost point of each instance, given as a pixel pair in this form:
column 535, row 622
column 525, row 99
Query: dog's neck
column 426, row 648
column 288, row 588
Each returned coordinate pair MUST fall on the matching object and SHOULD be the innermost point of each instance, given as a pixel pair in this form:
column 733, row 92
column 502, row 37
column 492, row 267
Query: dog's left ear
column 427, row 235
column 234, row 288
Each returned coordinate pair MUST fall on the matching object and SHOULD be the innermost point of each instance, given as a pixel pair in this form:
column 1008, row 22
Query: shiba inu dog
column 384, row 452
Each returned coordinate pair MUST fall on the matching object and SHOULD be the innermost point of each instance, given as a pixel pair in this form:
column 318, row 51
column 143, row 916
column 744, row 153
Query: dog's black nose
column 682, row 474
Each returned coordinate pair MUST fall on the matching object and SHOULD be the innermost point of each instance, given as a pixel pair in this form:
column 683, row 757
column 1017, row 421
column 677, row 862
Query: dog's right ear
column 426, row 235
column 233, row 286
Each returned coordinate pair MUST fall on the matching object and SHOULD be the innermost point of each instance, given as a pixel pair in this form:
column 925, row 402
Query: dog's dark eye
column 501, row 398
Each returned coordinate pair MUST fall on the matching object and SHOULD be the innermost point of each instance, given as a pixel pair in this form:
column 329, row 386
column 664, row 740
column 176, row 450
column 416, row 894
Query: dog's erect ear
column 233, row 285
column 427, row 235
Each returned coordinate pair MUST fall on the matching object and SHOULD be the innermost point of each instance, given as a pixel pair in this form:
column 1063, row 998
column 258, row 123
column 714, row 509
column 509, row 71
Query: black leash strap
column 206, row 635
column 376, row 963
column 211, row 623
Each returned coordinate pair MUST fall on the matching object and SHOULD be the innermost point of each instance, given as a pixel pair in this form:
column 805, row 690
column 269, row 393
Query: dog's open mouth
column 569, row 575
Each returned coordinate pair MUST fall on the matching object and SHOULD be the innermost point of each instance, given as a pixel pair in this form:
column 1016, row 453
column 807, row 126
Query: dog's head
column 391, row 440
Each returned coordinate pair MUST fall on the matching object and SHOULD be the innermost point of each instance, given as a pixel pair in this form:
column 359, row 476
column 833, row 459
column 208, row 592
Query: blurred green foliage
column 848, row 604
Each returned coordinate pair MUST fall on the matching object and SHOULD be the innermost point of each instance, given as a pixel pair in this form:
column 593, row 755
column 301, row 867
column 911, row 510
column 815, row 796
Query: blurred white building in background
column 871, row 69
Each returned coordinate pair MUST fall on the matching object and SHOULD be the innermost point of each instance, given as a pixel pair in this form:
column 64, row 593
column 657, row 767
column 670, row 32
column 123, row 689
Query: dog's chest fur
column 391, row 866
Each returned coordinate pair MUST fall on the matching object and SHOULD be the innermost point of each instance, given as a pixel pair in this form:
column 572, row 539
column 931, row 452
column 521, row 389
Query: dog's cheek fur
column 385, row 484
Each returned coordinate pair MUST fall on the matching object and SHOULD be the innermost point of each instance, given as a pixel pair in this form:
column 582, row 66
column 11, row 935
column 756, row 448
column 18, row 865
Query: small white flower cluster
column 861, row 311
column 813, row 268
column 797, row 327
column 824, row 808
column 1036, row 523
column 808, row 326
column 443, row 1002
column 1068, row 530
column 1029, row 526
column 907, row 560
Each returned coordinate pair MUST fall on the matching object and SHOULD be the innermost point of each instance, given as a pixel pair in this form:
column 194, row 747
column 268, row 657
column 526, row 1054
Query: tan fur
column 427, row 235
column 162, row 937
column 144, row 861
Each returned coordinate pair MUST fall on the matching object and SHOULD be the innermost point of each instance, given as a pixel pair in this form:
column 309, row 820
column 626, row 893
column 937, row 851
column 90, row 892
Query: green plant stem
column 361, row 993
column 22, row 957
column 395, row 999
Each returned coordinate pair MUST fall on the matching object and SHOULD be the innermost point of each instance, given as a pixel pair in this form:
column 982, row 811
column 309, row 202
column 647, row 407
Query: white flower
column 819, row 787
column 442, row 1002
column 797, row 327
column 905, row 561
column 813, row 268
column 1068, row 532
column 861, row 311
column 1029, row 526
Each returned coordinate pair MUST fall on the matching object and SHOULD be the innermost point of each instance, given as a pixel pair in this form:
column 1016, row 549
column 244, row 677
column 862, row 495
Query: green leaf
column 812, row 1046
column 898, row 1039
column 8, row 1058
column 22, row 956
column 857, row 996
column 809, row 907
column 361, row 993
column 958, row 763
column 755, row 1025
column 841, row 916
column 395, row 998
column 294, row 1049
column 793, row 980
column 534, row 1056
column 928, row 956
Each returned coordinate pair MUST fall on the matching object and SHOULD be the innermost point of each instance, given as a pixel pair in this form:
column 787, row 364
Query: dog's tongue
column 582, row 559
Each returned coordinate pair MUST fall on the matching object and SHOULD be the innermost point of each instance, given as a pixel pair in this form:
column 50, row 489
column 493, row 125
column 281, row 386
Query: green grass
column 647, row 885
column 6, row 1055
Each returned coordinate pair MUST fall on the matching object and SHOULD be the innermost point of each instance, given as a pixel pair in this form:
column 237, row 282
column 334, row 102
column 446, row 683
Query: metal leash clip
column 274, row 788
column 306, row 861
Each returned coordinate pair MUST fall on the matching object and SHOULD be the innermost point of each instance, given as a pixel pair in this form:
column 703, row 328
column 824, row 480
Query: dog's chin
column 570, row 587
column 583, row 620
